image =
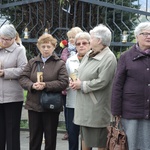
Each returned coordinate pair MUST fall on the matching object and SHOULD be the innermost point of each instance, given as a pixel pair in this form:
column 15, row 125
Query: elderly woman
column 95, row 75
column 71, row 49
column 12, row 63
column 55, row 79
column 67, row 52
column 131, row 90
column 82, row 42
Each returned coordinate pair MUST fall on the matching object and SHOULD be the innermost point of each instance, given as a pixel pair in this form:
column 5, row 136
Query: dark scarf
column 94, row 53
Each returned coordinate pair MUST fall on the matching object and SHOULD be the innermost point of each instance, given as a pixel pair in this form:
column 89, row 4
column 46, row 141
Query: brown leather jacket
column 54, row 75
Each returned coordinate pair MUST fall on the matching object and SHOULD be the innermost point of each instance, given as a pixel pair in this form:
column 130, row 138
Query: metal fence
column 120, row 16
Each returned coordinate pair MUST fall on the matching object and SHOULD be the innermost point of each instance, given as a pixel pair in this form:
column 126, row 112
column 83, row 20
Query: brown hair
column 46, row 38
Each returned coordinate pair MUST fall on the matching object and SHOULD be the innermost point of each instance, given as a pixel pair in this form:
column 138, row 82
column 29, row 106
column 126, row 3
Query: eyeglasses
column 145, row 34
column 83, row 43
column 7, row 40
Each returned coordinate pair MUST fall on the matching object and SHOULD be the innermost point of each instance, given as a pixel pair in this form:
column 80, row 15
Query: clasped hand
column 75, row 85
column 38, row 85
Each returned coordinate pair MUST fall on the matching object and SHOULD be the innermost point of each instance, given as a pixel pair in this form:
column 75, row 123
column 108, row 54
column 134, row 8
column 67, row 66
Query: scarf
column 145, row 52
column 80, row 57
column 71, row 47
column 94, row 53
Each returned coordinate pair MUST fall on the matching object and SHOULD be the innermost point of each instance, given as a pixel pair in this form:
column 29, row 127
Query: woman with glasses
column 12, row 63
column 93, row 87
column 131, row 90
column 67, row 52
column 82, row 43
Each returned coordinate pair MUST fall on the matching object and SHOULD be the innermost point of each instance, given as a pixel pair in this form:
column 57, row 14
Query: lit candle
column 26, row 35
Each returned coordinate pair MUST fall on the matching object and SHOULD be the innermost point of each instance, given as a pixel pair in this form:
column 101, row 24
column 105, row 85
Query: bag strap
column 118, row 124
column 38, row 66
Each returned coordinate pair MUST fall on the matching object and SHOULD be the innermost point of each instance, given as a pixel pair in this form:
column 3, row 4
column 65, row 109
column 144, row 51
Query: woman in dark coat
column 131, row 90
column 55, row 79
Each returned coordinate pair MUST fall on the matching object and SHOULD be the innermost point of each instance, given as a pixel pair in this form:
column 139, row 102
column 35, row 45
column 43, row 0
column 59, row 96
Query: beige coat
column 93, row 101
column 12, row 61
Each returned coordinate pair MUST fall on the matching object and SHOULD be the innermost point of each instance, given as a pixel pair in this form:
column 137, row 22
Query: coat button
column 147, row 69
column 148, row 84
column 147, row 116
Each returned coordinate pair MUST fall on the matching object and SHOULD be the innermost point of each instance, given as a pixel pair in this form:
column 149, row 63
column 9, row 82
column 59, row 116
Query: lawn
column 25, row 95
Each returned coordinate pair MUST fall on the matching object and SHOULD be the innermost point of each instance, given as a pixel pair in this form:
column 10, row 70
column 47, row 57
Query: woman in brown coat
column 55, row 79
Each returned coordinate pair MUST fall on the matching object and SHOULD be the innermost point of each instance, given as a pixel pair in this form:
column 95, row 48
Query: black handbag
column 51, row 100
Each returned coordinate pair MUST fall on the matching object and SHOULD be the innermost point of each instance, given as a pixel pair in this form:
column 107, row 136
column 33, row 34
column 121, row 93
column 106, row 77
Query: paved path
column 61, row 144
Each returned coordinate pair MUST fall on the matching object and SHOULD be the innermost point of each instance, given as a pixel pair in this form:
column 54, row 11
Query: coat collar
column 74, row 57
column 136, row 54
column 12, row 47
column 100, row 55
column 53, row 57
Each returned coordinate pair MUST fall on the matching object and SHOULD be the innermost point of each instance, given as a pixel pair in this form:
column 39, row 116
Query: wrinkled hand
column 38, row 85
column 1, row 73
column 75, row 85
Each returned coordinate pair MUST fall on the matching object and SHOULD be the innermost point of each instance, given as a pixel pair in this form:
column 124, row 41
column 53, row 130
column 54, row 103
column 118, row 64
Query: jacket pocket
column 93, row 98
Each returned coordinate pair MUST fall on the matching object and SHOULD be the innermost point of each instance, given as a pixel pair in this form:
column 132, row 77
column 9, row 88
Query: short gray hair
column 103, row 33
column 82, row 35
column 141, row 26
column 8, row 30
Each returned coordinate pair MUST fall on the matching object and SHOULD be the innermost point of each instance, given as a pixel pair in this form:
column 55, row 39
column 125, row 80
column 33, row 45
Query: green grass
column 24, row 124
column 25, row 95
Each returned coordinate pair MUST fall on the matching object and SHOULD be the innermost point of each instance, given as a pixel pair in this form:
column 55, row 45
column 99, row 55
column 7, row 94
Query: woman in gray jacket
column 12, row 62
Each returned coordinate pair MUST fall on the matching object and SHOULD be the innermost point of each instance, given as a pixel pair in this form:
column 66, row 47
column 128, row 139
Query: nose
column 46, row 48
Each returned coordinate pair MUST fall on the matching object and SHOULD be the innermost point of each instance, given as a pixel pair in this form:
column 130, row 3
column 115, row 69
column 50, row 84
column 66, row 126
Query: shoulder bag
column 51, row 100
column 116, row 138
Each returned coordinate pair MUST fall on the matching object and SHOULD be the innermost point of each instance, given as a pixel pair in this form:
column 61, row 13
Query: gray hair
column 8, row 30
column 82, row 35
column 103, row 33
column 141, row 26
